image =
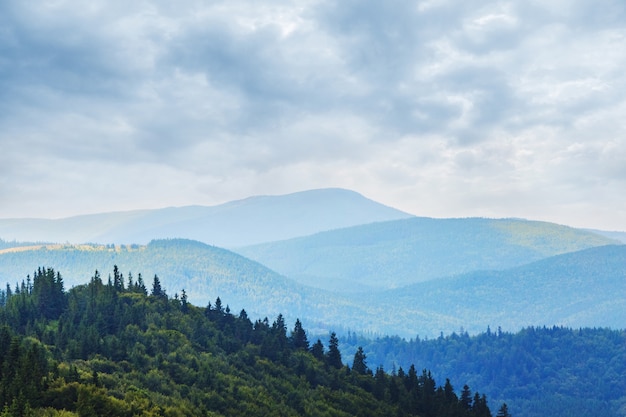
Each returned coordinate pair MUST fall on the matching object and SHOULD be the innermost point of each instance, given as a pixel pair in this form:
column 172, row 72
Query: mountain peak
column 248, row 221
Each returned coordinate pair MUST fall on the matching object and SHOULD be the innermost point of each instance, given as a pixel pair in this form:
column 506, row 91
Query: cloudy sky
column 438, row 107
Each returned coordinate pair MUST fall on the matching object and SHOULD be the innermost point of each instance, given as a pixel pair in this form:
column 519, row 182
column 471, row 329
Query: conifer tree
column 141, row 286
column 466, row 398
column 298, row 337
column 184, row 306
column 359, row 364
column 333, row 356
column 317, row 350
column 503, row 411
column 157, row 291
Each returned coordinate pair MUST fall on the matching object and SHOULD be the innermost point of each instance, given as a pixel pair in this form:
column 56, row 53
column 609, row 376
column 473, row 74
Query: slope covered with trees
column 201, row 269
column 576, row 289
column 537, row 372
column 124, row 348
column 403, row 252
column 579, row 289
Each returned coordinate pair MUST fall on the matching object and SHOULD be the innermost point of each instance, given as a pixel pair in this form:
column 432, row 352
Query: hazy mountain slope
column 584, row 288
column 204, row 272
column 395, row 253
column 244, row 222
column 620, row 236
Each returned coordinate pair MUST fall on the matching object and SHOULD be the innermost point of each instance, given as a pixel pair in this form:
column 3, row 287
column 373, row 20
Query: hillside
column 203, row 271
column 402, row 252
column 237, row 223
column 103, row 349
column 537, row 371
column 583, row 288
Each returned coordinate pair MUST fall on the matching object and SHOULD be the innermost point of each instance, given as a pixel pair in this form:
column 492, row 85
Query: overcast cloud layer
column 439, row 108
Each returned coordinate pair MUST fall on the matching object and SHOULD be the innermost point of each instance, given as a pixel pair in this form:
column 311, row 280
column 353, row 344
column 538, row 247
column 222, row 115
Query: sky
column 439, row 108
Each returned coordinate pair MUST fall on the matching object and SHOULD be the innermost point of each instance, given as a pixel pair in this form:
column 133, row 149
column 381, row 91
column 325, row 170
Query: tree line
column 116, row 348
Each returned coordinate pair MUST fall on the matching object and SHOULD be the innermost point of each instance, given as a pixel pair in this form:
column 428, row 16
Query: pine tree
column 466, row 398
column 503, row 411
column 317, row 350
column 298, row 337
column 141, row 287
column 184, row 306
column 333, row 356
column 157, row 290
column 359, row 364
column 118, row 279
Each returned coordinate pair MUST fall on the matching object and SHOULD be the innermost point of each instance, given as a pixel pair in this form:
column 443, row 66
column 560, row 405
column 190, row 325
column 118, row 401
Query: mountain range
column 238, row 223
column 338, row 260
column 401, row 252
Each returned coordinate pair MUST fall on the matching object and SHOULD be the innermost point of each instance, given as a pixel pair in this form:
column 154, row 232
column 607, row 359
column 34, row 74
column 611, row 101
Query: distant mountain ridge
column 341, row 258
column 402, row 252
column 238, row 223
column 583, row 288
column 577, row 289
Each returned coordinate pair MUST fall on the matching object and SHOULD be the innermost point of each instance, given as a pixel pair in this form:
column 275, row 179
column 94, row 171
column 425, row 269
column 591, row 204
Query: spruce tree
column 157, row 290
column 333, row 356
column 503, row 411
column 317, row 350
column 359, row 364
column 466, row 398
column 298, row 337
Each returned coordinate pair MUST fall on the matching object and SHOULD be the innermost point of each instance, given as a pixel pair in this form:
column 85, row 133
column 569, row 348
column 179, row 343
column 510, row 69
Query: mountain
column 401, row 252
column 583, row 288
column 620, row 236
column 204, row 272
column 237, row 223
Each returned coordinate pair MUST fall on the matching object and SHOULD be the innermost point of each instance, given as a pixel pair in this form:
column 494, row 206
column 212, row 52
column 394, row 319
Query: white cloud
column 499, row 108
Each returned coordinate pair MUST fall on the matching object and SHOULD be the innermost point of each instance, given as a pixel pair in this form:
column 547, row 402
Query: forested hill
column 582, row 288
column 537, row 371
column 110, row 349
column 402, row 252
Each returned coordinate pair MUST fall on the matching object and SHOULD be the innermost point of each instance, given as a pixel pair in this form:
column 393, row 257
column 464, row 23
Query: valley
column 380, row 278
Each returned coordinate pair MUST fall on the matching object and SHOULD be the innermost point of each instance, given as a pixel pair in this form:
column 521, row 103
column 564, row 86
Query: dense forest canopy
column 537, row 371
column 124, row 347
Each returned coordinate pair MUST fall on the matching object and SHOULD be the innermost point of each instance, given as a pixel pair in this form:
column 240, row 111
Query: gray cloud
column 437, row 107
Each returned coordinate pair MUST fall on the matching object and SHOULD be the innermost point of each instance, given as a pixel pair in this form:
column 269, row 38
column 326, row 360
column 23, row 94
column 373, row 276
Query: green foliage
column 538, row 371
column 106, row 349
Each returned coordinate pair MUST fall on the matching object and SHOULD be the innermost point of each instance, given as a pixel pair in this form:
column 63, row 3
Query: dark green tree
column 184, row 305
column 141, row 286
column 157, row 290
column 503, row 411
column 298, row 337
column 317, row 350
column 333, row 356
column 466, row 398
column 359, row 364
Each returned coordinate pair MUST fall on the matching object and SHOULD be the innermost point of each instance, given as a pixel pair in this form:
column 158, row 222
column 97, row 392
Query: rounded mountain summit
column 237, row 223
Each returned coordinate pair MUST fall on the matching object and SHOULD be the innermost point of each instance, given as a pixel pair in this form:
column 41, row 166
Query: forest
column 536, row 371
column 121, row 347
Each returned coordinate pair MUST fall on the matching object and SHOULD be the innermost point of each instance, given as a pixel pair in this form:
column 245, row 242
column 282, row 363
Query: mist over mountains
column 339, row 260
column 401, row 252
column 238, row 223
